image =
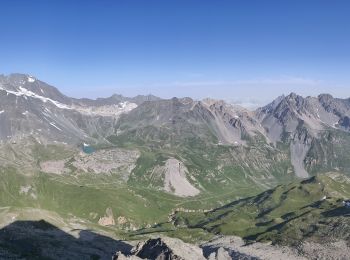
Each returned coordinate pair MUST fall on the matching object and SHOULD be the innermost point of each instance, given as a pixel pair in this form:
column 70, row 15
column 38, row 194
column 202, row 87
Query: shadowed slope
column 42, row 240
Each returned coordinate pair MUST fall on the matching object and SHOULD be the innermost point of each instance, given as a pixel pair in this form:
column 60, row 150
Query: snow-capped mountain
column 30, row 107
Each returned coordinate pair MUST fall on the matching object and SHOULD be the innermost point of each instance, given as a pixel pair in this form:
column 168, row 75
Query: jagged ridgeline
column 129, row 163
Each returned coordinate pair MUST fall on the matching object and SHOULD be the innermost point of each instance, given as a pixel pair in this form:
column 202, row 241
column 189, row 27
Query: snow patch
column 2, row 111
column 31, row 79
column 53, row 124
column 27, row 93
column 108, row 110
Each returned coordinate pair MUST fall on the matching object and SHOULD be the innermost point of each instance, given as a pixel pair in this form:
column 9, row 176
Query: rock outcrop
column 163, row 249
column 108, row 219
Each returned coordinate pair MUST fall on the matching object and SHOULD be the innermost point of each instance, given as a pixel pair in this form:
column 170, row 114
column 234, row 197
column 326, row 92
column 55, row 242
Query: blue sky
column 243, row 51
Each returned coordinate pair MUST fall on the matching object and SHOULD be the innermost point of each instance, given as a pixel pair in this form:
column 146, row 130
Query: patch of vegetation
column 284, row 215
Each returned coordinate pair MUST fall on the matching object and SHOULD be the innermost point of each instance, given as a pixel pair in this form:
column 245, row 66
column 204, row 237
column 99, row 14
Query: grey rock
column 165, row 249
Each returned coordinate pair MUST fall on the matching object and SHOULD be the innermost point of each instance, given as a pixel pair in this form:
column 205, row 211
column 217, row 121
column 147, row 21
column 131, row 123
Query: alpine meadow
column 241, row 151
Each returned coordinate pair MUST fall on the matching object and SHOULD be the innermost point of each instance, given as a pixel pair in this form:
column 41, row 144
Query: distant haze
column 243, row 52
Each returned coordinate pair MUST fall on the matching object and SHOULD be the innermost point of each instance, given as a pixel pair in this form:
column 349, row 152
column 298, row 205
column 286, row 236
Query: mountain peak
column 325, row 97
column 294, row 96
column 20, row 78
column 17, row 78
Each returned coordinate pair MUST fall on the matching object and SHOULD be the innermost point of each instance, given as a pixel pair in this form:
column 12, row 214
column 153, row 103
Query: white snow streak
column 27, row 93
column 111, row 110
column 53, row 124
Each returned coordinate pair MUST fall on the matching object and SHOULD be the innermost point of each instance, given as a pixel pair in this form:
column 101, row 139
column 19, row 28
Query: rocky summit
column 221, row 180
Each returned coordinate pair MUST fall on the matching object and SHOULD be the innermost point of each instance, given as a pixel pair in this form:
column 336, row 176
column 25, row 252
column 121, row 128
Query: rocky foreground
column 229, row 247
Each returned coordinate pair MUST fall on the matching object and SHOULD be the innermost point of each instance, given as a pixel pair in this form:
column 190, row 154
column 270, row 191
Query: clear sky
column 244, row 51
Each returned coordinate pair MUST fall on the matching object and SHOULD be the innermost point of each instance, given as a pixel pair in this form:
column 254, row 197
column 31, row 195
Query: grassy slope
column 225, row 173
column 218, row 169
column 67, row 196
column 285, row 214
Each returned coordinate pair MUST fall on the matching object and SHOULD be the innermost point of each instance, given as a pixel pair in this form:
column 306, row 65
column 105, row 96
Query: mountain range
column 150, row 159
column 308, row 133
